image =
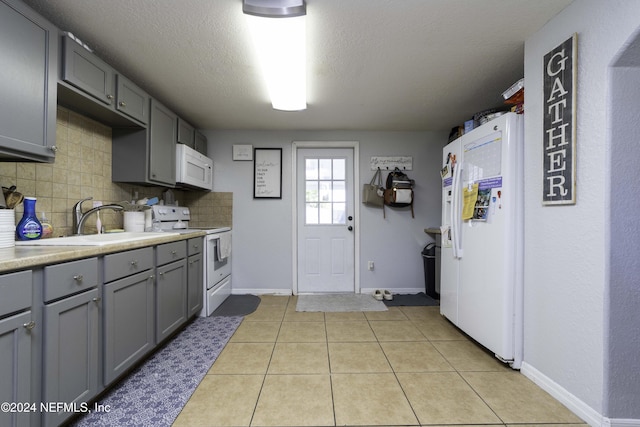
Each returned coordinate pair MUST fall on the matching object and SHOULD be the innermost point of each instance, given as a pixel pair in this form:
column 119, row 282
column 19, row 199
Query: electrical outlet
column 370, row 265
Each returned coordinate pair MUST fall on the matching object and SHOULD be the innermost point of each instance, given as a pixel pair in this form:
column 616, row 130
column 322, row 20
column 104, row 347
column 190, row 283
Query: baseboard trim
column 399, row 291
column 577, row 406
column 278, row 292
column 620, row 422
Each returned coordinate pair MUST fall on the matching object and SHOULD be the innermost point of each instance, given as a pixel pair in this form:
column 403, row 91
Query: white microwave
column 193, row 169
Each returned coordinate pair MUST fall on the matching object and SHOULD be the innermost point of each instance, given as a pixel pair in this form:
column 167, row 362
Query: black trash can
column 429, row 259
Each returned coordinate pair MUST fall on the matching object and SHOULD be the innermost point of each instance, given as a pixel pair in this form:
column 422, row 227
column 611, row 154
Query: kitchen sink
column 95, row 239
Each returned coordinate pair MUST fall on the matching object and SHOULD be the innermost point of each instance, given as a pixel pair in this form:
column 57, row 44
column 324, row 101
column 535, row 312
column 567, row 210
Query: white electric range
column 216, row 253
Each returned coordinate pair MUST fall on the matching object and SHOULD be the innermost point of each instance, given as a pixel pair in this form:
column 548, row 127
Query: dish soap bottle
column 47, row 228
column 29, row 227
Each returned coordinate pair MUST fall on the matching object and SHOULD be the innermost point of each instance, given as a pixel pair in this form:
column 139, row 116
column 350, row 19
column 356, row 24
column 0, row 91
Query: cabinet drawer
column 15, row 292
column 65, row 279
column 123, row 264
column 170, row 252
column 194, row 246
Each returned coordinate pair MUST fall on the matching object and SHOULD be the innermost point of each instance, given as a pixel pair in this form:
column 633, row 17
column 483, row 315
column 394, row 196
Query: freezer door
column 449, row 275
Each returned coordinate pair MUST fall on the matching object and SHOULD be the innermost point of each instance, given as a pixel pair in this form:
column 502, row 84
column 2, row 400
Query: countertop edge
column 25, row 257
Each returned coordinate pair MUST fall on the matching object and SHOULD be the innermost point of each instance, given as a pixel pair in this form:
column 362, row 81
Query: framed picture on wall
column 242, row 152
column 267, row 173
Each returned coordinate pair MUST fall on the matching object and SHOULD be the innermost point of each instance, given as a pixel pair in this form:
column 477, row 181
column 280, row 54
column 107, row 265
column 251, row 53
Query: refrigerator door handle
column 456, row 212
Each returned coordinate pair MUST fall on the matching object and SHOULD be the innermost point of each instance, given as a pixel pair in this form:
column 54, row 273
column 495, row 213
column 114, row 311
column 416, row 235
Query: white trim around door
column 356, row 203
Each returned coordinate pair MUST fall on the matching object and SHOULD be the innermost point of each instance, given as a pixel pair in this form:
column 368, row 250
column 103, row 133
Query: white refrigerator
column 481, row 288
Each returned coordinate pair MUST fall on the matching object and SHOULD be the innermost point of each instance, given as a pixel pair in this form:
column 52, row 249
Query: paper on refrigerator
column 469, row 196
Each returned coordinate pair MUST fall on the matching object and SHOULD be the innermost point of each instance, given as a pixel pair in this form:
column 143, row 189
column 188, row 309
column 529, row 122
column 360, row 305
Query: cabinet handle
column 134, row 263
column 78, row 278
column 152, row 277
column 96, row 299
column 161, row 274
column 53, row 148
column 173, row 252
column 122, row 104
column 109, row 96
column 195, row 246
column 30, row 325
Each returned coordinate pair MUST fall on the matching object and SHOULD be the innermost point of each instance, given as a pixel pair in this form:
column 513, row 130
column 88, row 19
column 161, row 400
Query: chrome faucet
column 79, row 217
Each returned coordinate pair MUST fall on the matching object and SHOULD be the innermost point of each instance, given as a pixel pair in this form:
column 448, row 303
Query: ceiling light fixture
column 278, row 31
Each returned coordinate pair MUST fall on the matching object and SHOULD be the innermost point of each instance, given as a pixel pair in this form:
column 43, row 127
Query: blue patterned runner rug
column 155, row 393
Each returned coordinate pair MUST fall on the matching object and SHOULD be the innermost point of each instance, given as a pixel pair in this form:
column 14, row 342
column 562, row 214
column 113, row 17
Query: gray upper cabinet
column 162, row 145
column 131, row 100
column 28, row 79
column 87, row 72
column 200, row 143
column 147, row 156
column 186, row 133
column 92, row 76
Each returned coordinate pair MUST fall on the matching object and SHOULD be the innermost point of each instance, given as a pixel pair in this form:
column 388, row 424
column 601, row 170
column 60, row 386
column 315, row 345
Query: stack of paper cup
column 7, row 228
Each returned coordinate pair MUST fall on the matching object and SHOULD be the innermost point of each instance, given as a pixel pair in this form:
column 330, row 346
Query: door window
column 325, row 191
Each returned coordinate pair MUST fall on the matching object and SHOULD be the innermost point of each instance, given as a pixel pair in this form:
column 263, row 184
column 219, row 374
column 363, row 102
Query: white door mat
column 339, row 303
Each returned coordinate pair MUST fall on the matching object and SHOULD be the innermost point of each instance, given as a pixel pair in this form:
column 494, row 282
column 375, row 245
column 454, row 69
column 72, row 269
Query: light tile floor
column 404, row 367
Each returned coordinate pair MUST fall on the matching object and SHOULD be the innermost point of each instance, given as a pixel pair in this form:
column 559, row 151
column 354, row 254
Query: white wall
column 566, row 247
column 622, row 369
column 262, row 253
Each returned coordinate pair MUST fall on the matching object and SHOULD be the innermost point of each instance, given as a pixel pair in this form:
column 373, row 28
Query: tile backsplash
column 83, row 169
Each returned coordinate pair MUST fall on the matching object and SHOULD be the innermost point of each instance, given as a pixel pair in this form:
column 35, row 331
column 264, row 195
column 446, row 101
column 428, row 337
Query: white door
column 325, row 218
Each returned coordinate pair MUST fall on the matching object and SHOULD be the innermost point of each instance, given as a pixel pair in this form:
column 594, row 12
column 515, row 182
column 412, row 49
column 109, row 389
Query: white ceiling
column 372, row 64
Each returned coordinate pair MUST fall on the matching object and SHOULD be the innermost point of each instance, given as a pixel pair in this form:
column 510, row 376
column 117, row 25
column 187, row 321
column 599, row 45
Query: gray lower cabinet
column 16, row 342
column 28, row 84
column 128, row 310
column 71, row 336
column 195, row 279
column 71, row 339
column 15, row 367
column 128, row 323
column 171, row 288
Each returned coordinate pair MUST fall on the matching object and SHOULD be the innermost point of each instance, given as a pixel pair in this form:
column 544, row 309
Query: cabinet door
column 162, row 144
column 200, row 143
column 171, row 299
column 128, row 323
column 15, row 367
column 131, row 100
column 87, row 72
column 186, row 133
column 28, row 83
column 195, row 286
column 70, row 352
